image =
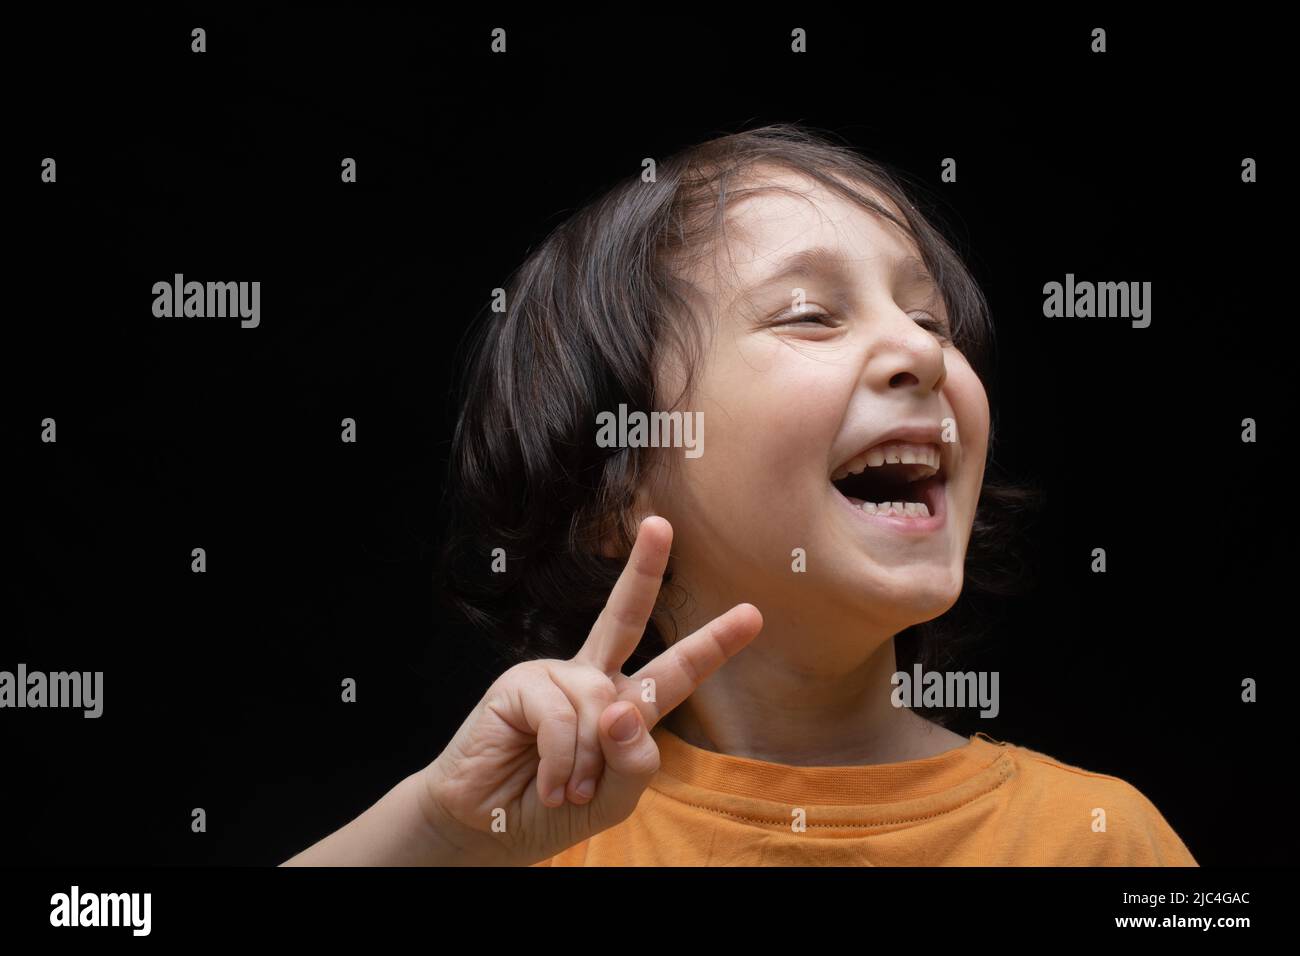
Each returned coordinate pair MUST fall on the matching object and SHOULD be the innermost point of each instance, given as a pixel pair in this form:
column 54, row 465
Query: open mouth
column 894, row 479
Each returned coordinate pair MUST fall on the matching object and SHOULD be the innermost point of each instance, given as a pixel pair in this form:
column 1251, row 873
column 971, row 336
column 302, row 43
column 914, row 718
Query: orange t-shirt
column 987, row 803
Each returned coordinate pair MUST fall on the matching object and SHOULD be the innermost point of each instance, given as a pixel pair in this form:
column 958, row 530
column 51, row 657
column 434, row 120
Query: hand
column 547, row 727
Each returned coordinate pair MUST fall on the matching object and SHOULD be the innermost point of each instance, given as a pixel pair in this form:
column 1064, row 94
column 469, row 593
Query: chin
column 920, row 596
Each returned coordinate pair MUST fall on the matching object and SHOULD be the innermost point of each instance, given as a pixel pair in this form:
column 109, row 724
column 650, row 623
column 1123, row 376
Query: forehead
column 763, row 229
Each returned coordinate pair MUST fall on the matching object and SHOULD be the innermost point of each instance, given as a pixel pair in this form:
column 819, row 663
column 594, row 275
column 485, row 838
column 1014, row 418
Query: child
column 780, row 293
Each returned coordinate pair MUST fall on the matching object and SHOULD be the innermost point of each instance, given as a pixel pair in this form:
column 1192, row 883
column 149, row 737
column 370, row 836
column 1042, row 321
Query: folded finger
column 550, row 715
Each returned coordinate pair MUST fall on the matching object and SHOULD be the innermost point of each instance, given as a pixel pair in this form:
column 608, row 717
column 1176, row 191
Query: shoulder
column 1101, row 819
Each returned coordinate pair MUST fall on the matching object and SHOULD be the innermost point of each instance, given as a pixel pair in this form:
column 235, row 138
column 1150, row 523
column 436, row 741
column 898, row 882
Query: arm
column 403, row 828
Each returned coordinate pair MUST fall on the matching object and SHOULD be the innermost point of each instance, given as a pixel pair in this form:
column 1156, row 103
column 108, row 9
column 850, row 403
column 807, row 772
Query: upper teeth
column 894, row 452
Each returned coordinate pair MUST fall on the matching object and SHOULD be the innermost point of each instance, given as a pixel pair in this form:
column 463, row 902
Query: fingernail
column 586, row 788
column 557, row 795
column 626, row 727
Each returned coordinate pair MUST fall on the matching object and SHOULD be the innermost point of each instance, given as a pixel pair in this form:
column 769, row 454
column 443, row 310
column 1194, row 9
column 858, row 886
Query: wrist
column 437, row 829
column 451, row 843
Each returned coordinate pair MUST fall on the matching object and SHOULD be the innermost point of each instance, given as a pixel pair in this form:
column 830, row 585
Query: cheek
column 970, row 406
column 771, row 429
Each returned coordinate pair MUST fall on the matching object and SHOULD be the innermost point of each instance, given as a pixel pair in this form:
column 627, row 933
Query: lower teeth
column 900, row 509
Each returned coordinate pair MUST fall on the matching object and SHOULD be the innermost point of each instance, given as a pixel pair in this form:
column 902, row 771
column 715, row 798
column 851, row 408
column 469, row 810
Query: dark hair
column 587, row 315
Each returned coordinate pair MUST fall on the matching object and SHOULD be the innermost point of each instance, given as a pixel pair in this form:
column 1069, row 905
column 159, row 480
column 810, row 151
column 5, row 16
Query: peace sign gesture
column 557, row 751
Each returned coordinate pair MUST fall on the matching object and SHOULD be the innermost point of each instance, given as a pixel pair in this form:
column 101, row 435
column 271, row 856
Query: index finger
column 683, row 667
column 622, row 622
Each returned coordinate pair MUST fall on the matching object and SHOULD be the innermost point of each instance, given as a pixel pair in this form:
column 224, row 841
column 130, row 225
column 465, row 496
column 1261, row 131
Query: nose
column 903, row 355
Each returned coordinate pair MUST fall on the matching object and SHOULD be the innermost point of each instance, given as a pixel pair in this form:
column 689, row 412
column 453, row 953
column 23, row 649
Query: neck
column 772, row 703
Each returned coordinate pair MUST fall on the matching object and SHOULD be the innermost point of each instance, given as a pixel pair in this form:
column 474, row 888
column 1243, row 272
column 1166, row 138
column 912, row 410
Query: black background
column 222, row 689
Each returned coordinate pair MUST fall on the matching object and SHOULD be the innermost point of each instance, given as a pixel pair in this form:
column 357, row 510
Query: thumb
column 629, row 763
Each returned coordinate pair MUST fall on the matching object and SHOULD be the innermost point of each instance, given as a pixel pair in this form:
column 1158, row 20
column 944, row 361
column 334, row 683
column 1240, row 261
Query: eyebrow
column 822, row 261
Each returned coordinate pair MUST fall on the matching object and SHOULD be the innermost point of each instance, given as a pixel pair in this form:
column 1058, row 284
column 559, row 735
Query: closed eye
column 938, row 326
column 798, row 318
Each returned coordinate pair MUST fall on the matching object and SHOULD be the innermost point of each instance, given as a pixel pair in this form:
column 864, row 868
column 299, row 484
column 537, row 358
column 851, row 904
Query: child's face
column 785, row 406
